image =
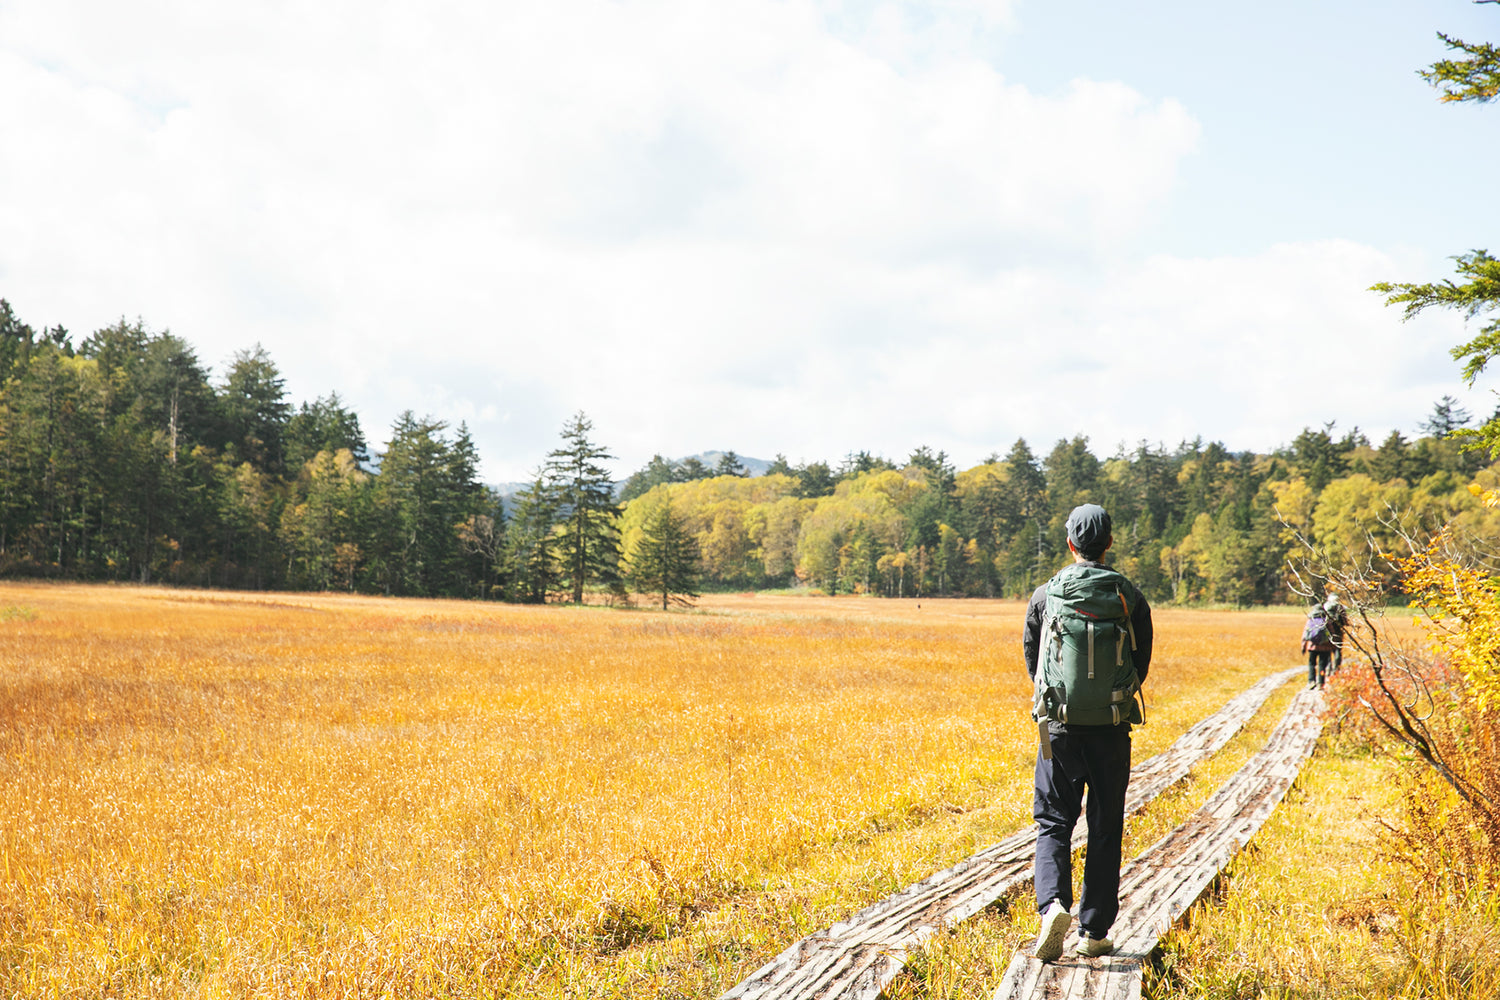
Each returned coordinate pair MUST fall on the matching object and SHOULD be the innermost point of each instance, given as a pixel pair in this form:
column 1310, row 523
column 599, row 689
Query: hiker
column 1087, row 643
column 1338, row 620
column 1317, row 643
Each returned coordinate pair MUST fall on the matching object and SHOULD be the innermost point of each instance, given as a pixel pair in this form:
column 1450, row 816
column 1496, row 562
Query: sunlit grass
column 207, row 794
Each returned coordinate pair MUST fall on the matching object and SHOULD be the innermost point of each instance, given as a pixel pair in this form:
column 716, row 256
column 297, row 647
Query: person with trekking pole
column 1087, row 643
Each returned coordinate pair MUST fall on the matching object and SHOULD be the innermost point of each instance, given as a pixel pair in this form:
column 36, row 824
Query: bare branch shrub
column 1427, row 696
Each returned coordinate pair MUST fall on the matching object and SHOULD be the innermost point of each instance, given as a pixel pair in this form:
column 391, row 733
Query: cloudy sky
column 798, row 226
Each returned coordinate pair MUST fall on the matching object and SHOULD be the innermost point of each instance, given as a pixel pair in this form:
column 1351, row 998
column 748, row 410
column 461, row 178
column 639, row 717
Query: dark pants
column 1099, row 761
column 1317, row 665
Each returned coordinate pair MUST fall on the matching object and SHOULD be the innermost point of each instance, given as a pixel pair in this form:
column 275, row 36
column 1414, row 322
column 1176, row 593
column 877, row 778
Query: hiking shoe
column 1092, row 947
column 1049, row 940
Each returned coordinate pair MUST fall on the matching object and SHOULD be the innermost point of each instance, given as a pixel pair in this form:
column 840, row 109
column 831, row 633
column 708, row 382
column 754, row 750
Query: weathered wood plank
column 858, row 957
column 1158, row 888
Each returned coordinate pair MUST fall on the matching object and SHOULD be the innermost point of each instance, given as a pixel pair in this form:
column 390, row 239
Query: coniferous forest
column 123, row 458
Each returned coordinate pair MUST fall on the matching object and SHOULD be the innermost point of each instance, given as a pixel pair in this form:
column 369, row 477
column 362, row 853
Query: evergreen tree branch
column 1476, row 78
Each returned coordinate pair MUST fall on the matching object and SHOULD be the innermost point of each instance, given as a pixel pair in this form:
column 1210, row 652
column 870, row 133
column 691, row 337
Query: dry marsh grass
column 226, row 795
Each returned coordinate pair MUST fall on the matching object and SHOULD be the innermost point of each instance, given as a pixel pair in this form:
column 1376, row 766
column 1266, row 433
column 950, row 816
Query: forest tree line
column 121, row 458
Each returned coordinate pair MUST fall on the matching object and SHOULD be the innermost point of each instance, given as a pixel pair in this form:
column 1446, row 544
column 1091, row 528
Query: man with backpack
column 1338, row 623
column 1318, row 644
column 1087, row 644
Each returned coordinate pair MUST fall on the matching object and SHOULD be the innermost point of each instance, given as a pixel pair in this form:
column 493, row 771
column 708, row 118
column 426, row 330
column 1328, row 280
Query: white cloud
column 800, row 227
column 1246, row 350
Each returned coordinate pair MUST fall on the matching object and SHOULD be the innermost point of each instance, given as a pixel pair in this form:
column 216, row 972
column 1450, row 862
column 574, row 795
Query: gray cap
column 1089, row 529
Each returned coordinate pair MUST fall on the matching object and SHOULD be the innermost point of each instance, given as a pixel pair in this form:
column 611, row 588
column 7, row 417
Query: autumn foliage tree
column 127, row 459
column 1453, row 723
column 1440, row 705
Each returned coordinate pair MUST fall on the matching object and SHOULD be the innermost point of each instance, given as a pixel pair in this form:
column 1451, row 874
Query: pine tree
column 1477, row 295
column 589, row 539
column 815, row 479
column 641, row 482
column 531, row 544
column 730, row 465
column 1448, row 415
column 781, row 467
column 325, row 424
column 426, row 488
column 253, row 399
column 666, row 559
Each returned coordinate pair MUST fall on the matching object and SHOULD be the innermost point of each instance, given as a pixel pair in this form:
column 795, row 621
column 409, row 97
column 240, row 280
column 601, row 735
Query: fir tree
column 730, row 465
column 666, row 560
column 1448, row 415
column 589, row 536
column 641, row 482
column 531, row 544
column 253, row 401
column 1477, row 294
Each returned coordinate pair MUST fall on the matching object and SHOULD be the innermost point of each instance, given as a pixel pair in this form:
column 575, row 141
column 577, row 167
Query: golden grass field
column 208, row 794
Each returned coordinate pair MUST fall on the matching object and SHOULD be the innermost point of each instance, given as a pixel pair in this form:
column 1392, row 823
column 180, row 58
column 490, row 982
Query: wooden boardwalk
column 1159, row 887
column 859, row 957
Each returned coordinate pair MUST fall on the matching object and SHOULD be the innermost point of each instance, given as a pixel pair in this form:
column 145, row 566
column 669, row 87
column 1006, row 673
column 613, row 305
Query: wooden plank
column 1158, row 888
column 858, row 957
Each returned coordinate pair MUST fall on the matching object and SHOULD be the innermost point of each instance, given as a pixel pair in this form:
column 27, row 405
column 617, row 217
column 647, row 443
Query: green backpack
column 1086, row 673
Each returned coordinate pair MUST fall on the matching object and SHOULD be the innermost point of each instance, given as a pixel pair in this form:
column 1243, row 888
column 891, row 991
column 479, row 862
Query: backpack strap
column 1091, row 650
column 1129, row 625
column 1039, row 708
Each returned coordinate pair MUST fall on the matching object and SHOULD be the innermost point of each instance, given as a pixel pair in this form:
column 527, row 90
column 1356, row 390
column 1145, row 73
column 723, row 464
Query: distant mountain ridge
column 754, row 466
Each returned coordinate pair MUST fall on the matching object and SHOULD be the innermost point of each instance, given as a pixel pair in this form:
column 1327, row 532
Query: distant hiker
column 1317, row 643
column 1087, row 644
column 1338, row 621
